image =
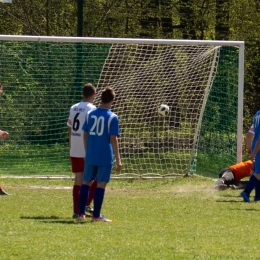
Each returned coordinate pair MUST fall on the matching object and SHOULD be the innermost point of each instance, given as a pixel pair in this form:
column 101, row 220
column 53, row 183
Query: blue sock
column 83, row 197
column 257, row 190
column 98, row 201
column 251, row 184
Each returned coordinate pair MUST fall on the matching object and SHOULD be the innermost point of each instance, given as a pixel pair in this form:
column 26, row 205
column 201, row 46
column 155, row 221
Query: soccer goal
column 200, row 81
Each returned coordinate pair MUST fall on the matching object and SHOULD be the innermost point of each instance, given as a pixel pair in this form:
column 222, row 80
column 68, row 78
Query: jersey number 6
column 76, row 123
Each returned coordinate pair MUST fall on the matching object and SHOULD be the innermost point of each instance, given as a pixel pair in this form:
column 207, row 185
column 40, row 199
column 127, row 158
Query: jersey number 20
column 98, row 126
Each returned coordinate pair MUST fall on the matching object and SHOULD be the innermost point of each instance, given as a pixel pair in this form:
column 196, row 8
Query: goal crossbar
column 118, row 40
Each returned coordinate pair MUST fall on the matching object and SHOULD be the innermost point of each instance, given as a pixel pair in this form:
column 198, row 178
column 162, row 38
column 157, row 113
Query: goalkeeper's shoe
column 2, row 192
column 89, row 210
column 101, row 218
column 245, row 196
column 81, row 217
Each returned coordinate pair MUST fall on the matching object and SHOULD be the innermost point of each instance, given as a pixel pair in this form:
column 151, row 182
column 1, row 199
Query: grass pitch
column 179, row 218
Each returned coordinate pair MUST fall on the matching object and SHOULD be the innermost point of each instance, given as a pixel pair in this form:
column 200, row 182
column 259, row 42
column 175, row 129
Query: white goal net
column 200, row 81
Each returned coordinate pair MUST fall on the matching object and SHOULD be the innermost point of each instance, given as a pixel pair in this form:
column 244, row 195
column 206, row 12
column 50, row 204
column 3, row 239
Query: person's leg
column 89, row 175
column 76, row 191
column 240, row 185
column 98, row 199
column 77, row 166
column 91, row 192
column 2, row 192
column 257, row 191
column 254, row 178
column 226, row 178
column 229, row 177
column 245, row 194
column 103, row 177
column 83, row 197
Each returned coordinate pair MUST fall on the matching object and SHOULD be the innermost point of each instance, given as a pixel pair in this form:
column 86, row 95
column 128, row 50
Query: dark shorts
column 228, row 174
column 77, row 164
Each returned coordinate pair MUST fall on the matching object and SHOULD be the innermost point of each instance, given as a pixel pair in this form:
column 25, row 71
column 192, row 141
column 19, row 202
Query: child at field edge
column 75, row 122
column 101, row 139
column 4, row 135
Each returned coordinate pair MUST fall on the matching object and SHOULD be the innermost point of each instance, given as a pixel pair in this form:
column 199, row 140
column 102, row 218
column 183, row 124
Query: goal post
column 201, row 82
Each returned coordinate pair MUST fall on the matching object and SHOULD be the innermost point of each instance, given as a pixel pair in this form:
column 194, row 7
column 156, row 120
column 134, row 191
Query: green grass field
column 180, row 218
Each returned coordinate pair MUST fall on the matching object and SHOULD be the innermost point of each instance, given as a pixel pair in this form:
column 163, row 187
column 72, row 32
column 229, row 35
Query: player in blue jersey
column 101, row 134
column 254, row 181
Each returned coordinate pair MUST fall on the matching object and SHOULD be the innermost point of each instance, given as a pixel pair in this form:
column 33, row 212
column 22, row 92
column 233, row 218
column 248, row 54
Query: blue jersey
column 256, row 125
column 100, row 124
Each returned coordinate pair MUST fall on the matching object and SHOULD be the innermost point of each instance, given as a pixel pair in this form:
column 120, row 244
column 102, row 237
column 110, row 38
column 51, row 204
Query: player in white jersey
column 75, row 122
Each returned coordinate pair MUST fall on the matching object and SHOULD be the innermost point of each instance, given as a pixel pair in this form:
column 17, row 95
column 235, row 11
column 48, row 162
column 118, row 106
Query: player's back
column 76, row 120
column 256, row 124
column 242, row 169
column 101, row 124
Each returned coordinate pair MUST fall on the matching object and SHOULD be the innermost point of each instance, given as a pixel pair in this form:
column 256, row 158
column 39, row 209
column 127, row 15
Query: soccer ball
column 163, row 110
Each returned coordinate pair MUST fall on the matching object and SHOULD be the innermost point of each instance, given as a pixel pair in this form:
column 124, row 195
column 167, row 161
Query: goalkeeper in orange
column 232, row 175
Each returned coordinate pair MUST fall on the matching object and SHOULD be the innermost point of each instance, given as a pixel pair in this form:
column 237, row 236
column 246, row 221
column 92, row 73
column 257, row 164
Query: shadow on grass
column 231, row 196
column 39, row 217
column 232, row 201
column 55, row 219
column 247, row 209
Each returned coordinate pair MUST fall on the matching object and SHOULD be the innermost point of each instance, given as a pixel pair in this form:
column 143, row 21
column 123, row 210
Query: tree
column 157, row 19
column 222, row 19
column 187, row 20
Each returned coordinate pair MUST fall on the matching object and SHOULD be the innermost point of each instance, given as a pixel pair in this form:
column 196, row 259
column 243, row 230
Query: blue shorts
column 256, row 164
column 99, row 173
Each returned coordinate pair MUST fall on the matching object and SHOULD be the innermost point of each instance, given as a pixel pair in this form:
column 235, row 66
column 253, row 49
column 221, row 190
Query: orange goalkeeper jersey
column 242, row 170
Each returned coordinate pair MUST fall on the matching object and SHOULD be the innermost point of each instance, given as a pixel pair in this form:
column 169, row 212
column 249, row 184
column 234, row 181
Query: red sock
column 75, row 194
column 91, row 192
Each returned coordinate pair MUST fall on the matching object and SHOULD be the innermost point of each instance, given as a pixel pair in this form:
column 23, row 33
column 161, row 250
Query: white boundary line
column 72, row 178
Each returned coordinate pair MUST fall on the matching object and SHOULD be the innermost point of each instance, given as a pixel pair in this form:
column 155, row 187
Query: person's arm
column 256, row 149
column 249, row 138
column 70, row 137
column 4, row 134
column 115, row 146
column 85, row 139
column 69, row 124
